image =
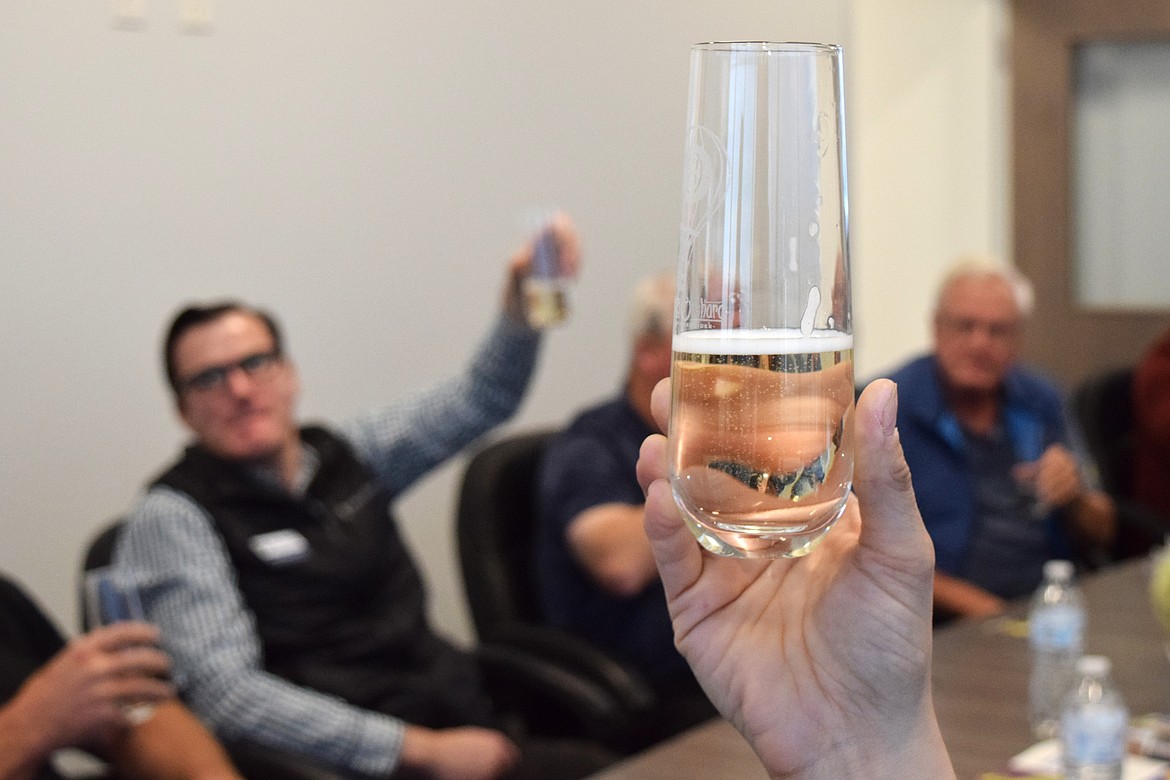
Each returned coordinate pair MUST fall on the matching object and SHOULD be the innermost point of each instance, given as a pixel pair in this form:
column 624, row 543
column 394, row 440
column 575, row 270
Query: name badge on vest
column 280, row 548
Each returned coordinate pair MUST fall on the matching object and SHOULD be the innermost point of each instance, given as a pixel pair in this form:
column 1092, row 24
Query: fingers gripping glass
column 257, row 366
column 112, row 599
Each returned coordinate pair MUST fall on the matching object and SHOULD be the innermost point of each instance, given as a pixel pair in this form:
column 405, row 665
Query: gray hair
column 652, row 306
column 983, row 265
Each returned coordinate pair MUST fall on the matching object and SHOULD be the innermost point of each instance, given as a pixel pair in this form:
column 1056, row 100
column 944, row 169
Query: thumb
column 891, row 524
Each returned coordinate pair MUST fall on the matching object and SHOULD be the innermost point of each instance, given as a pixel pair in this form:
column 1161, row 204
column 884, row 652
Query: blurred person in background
column 1151, row 425
column 593, row 565
column 1000, row 484
column 294, row 612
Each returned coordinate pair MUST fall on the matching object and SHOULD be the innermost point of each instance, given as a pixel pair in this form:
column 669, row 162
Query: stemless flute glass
column 761, row 426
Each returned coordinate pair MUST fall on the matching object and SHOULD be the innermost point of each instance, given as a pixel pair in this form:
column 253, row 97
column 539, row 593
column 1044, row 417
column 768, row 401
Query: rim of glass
column 767, row 46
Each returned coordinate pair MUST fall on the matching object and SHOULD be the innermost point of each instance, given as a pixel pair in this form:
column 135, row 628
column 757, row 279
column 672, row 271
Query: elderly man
column 593, row 565
column 988, row 443
column 293, row 611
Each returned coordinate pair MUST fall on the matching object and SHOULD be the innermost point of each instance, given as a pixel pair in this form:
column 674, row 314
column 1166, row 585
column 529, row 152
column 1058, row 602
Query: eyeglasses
column 968, row 326
column 257, row 366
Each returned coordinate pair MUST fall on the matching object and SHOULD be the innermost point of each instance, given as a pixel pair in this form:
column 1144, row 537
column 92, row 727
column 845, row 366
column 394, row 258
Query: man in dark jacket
column 295, row 614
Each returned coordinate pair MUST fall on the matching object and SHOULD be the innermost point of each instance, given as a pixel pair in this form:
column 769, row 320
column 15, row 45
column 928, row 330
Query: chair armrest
column 620, row 681
column 559, row 687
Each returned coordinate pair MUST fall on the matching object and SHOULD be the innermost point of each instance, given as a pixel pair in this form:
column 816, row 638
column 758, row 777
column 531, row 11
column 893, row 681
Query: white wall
column 928, row 166
column 362, row 168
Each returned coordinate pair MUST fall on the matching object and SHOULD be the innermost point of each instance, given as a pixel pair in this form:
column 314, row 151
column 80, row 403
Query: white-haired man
column 989, row 445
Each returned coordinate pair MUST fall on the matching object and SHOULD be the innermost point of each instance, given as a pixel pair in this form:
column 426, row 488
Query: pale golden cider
column 546, row 303
column 761, row 437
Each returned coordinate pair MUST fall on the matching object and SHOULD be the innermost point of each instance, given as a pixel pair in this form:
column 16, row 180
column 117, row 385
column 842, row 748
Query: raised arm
column 405, row 440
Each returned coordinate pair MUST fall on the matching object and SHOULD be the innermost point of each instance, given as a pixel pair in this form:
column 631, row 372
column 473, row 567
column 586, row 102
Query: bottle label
column 1058, row 627
column 1093, row 735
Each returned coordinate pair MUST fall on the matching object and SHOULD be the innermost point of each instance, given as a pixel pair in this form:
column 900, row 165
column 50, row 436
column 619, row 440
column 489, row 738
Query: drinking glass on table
column 761, row 433
column 112, row 598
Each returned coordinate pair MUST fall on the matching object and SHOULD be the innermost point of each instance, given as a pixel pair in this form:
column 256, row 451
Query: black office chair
column 1103, row 408
column 562, row 684
column 255, row 762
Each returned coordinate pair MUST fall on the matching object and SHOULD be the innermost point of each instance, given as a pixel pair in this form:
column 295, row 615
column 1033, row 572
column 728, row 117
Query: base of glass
column 740, row 545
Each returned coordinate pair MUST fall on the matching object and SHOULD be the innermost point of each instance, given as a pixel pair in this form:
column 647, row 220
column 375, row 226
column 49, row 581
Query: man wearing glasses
column 293, row 612
column 989, row 445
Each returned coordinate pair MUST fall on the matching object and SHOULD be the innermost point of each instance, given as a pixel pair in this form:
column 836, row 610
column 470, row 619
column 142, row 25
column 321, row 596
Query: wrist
column 917, row 750
column 24, row 739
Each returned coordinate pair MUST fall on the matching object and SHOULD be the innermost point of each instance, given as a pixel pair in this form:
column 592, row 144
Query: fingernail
column 889, row 412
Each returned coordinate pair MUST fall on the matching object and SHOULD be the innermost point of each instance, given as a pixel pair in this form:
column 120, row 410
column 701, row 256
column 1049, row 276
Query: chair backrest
column 101, row 548
column 1103, row 407
column 495, row 529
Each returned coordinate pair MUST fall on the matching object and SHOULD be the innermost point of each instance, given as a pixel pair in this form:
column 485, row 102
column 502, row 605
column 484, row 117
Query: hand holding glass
column 761, row 434
column 110, row 598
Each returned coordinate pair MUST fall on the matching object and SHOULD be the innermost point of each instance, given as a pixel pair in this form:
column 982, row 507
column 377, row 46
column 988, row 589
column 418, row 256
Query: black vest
column 346, row 613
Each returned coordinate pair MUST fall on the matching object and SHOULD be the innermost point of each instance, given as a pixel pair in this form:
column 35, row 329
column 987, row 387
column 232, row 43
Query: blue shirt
column 983, row 530
column 593, row 462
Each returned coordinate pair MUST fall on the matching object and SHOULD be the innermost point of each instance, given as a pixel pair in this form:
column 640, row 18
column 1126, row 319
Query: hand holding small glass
column 112, row 601
column 76, row 698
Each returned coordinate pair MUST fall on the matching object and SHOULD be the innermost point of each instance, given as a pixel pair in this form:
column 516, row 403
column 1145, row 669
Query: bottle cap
column 1058, row 570
column 1096, row 665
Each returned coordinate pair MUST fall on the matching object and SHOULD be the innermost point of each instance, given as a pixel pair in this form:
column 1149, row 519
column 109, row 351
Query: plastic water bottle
column 1056, row 630
column 1093, row 724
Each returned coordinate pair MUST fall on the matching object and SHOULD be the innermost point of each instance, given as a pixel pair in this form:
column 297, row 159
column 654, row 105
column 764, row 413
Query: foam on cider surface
column 760, row 341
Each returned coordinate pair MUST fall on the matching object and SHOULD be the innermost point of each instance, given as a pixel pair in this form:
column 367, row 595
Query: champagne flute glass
column 112, row 598
column 761, row 427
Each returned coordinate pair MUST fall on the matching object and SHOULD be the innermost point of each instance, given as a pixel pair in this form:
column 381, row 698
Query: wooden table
column 706, row 752
column 981, row 669
column 980, row 680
